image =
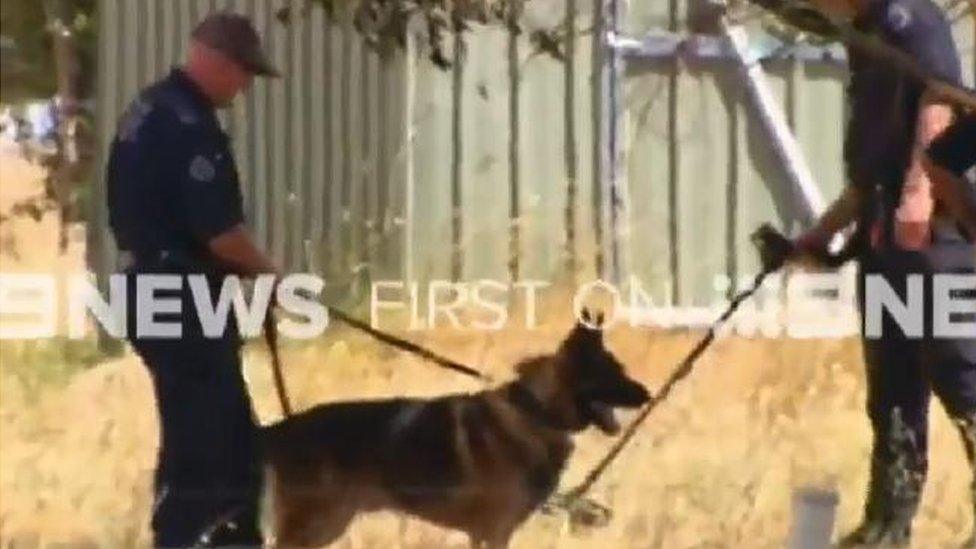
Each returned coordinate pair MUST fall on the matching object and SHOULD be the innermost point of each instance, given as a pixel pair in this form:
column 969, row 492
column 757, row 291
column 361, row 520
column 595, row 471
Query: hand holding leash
column 774, row 248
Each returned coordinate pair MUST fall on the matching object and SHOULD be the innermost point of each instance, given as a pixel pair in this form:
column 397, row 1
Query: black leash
column 774, row 250
column 271, row 338
column 681, row 372
column 407, row 346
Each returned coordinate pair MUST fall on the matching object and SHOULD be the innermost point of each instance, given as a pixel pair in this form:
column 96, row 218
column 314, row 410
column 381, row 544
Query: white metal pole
column 780, row 135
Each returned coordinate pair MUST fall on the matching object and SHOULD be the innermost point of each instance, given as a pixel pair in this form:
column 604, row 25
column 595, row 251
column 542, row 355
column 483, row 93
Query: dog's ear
column 589, row 320
column 587, row 317
column 587, row 334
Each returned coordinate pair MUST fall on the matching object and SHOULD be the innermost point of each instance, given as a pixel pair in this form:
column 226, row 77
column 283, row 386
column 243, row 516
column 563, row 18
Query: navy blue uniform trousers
column 902, row 374
column 208, row 475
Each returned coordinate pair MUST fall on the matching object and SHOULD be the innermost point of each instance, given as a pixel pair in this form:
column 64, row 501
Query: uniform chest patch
column 202, row 169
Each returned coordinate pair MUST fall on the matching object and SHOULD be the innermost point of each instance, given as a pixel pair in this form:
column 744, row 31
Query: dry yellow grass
column 714, row 467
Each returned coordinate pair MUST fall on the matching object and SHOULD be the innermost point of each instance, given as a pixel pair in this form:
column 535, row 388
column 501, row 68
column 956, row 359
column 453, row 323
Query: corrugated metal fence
column 361, row 167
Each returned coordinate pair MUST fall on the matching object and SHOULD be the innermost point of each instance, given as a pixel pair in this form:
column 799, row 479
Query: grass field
column 714, row 467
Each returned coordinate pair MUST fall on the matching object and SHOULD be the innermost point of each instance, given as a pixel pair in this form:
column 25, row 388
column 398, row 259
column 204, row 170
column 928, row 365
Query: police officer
column 175, row 208
column 903, row 229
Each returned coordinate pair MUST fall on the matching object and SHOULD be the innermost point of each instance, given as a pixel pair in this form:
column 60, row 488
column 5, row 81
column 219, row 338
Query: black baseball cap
column 234, row 36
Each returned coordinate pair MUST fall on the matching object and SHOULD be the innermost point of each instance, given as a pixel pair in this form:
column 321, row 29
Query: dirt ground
column 714, row 467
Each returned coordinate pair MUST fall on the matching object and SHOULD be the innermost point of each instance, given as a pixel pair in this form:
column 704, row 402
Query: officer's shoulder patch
column 133, row 118
column 202, row 169
column 898, row 16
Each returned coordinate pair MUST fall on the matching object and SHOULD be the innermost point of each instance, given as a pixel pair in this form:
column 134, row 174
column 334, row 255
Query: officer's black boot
column 904, row 505
column 242, row 534
column 872, row 527
column 882, row 525
column 894, row 494
column 888, row 519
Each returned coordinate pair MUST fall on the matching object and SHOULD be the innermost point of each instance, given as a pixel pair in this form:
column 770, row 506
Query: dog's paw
column 583, row 512
column 587, row 513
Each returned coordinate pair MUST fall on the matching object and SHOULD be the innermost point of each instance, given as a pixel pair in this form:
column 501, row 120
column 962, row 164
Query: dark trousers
column 208, row 475
column 903, row 372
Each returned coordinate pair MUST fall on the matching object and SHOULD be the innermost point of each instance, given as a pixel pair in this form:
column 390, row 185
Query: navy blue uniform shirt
column 884, row 103
column 172, row 182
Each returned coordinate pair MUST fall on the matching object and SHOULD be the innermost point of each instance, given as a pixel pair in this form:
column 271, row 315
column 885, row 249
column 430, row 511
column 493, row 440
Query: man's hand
column 813, row 245
column 236, row 249
column 774, row 248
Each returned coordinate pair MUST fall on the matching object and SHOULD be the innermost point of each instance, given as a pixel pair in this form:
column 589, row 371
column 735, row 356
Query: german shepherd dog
column 479, row 463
